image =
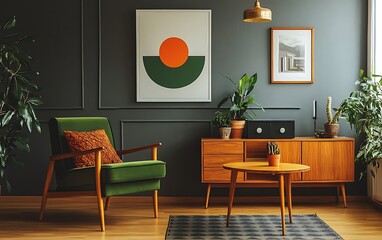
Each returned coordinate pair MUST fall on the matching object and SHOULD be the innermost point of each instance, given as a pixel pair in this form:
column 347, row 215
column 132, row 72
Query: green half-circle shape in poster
column 173, row 77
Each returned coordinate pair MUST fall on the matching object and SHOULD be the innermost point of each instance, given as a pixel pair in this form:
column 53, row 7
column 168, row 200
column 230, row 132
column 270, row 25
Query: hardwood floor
column 132, row 217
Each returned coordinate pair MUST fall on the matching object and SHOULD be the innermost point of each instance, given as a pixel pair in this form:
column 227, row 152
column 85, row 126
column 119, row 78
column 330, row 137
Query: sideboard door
column 329, row 161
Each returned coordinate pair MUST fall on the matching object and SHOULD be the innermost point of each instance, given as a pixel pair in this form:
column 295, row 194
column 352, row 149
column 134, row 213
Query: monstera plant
column 19, row 95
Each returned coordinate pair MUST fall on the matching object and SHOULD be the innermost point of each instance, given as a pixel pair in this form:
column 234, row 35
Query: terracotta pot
column 274, row 160
column 225, row 132
column 237, row 128
column 332, row 130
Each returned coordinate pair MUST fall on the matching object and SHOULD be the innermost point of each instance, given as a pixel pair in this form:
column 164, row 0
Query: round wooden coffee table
column 283, row 171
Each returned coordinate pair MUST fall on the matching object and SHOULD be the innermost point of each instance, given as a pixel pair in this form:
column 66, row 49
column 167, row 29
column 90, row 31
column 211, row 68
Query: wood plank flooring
column 132, row 217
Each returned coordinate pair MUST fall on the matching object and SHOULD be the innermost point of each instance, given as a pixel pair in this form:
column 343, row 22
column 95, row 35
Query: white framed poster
column 173, row 55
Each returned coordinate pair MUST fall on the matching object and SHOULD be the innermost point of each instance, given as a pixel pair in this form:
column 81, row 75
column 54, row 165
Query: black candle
column 314, row 109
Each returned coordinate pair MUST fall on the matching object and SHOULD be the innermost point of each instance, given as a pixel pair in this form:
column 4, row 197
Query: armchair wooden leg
column 101, row 212
column 155, row 203
column 98, row 190
column 107, row 204
column 46, row 189
column 43, row 204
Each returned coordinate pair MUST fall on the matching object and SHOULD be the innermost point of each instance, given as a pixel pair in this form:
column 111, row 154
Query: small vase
column 274, row 160
column 225, row 132
column 332, row 130
column 237, row 128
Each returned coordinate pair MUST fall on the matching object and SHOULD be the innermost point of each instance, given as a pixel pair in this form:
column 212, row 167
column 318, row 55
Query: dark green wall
column 86, row 57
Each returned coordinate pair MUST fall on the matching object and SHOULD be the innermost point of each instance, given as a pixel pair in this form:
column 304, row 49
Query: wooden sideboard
column 331, row 161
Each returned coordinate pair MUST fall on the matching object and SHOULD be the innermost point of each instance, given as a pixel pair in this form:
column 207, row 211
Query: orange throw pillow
column 80, row 141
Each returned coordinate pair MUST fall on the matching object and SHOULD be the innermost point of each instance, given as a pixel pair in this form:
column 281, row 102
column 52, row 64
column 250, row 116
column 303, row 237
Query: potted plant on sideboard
column 223, row 122
column 332, row 127
column 19, row 95
column 273, row 154
column 240, row 100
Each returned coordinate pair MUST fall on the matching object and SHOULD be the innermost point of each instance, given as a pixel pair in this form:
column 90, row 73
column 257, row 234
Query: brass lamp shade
column 257, row 14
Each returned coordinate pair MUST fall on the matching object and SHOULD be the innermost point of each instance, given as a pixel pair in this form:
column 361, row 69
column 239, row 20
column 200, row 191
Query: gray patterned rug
column 248, row 227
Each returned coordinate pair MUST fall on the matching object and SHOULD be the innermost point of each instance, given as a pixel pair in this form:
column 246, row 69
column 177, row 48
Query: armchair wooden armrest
column 73, row 154
column 153, row 147
column 63, row 156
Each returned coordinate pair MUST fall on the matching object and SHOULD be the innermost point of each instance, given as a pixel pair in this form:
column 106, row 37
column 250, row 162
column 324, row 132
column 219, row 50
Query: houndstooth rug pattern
column 267, row 227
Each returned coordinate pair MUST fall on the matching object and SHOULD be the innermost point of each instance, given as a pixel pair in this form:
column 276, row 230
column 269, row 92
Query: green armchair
column 101, row 180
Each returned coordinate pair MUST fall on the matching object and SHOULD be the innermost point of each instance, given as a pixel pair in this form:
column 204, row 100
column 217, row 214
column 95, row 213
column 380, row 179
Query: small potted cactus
column 332, row 127
column 273, row 154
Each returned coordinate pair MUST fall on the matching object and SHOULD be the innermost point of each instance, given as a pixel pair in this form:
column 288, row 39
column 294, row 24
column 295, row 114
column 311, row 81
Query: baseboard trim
column 260, row 199
column 201, row 200
column 375, row 203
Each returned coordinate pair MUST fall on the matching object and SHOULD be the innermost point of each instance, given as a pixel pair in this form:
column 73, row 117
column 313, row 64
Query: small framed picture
column 292, row 55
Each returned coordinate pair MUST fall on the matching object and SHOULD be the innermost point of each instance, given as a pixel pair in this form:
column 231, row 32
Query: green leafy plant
column 18, row 97
column 363, row 110
column 273, row 148
column 221, row 119
column 241, row 98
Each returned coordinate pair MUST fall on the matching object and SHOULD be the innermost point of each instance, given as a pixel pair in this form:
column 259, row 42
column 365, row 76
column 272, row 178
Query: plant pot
column 225, row 132
column 332, row 130
column 237, row 128
column 274, row 160
column 374, row 181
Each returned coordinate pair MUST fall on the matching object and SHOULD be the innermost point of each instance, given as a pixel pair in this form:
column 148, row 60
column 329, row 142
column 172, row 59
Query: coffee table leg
column 231, row 194
column 282, row 202
column 289, row 195
column 208, row 195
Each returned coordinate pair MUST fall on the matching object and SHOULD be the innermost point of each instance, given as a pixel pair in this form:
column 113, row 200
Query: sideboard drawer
column 223, row 147
column 219, row 160
column 220, row 175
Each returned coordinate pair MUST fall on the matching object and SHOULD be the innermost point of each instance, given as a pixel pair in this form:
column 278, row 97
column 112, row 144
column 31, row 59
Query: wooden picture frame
column 292, row 55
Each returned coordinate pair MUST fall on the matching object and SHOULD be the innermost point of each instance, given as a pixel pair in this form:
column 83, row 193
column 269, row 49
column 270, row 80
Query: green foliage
column 273, row 148
column 221, row 119
column 363, row 110
column 241, row 98
column 18, row 96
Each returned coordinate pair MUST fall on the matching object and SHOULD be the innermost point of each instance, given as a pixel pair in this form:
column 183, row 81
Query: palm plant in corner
column 18, row 97
column 240, row 100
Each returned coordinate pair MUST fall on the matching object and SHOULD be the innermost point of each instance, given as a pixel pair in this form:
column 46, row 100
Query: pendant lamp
column 257, row 14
